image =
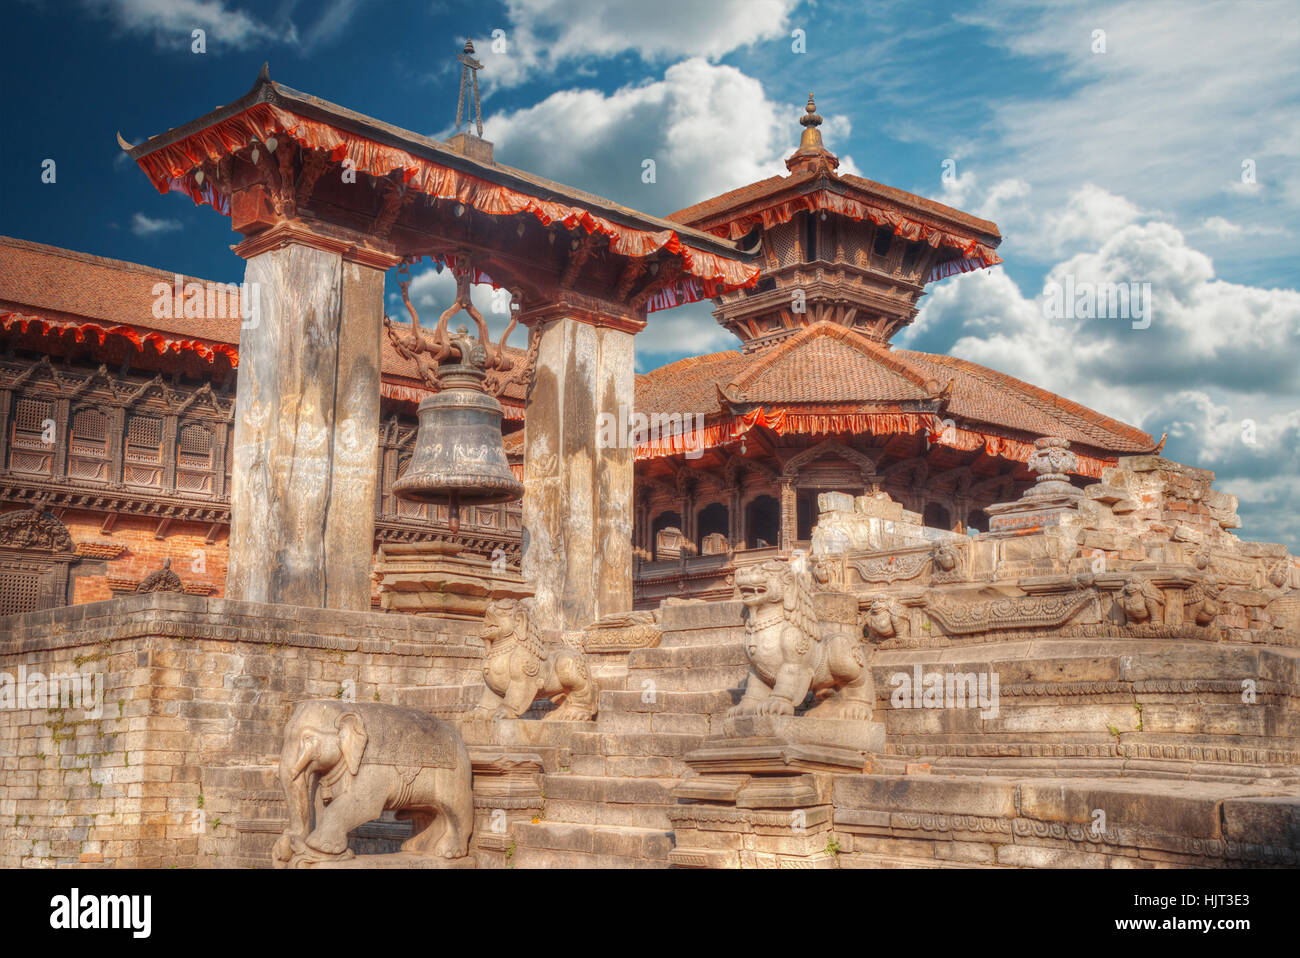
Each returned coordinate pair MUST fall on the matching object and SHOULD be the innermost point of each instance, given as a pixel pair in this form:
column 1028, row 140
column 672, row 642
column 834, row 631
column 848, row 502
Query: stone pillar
column 306, row 424
column 578, row 497
column 789, row 515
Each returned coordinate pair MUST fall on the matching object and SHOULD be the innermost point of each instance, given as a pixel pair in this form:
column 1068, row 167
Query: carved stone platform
column 399, row 860
column 848, row 734
column 760, row 801
column 434, row 578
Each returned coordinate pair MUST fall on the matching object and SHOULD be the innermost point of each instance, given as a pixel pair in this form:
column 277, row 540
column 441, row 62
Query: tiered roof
column 829, row 379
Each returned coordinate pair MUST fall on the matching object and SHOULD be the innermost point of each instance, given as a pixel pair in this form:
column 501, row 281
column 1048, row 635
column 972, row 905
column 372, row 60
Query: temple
column 813, row 601
column 815, row 399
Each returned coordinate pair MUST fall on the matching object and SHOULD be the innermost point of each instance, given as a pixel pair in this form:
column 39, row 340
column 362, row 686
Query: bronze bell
column 459, row 456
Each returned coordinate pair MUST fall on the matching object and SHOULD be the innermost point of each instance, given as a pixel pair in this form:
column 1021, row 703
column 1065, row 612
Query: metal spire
column 469, row 68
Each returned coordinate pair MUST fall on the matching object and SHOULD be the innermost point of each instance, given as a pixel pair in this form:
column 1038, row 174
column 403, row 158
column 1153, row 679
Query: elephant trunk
column 304, row 759
column 294, row 761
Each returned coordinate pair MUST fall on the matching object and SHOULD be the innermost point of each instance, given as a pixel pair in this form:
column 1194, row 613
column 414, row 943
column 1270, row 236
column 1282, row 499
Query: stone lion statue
column 520, row 668
column 1141, row 602
column 789, row 655
column 885, row 618
column 1200, row 603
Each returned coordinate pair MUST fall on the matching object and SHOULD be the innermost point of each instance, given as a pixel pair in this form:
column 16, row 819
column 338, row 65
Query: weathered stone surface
column 578, row 495
column 346, row 763
column 306, row 432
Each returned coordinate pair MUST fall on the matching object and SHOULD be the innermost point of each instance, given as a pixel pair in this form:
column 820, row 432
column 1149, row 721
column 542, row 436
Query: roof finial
column 810, row 119
column 469, row 68
column 811, row 153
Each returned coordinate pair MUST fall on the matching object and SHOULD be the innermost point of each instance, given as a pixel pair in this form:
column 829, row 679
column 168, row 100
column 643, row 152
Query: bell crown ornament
column 459, row 457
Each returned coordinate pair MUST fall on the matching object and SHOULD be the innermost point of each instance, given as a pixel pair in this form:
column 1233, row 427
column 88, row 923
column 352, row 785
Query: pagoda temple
column 814, row 399
column 817, row 399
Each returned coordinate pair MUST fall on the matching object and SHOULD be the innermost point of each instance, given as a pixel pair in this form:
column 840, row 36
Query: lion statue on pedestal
column 520, row 668
column 789, row 654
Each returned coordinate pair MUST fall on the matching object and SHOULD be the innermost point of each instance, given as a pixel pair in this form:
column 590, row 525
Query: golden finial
column 811, row 118
column 812, row 137
column 811, row 153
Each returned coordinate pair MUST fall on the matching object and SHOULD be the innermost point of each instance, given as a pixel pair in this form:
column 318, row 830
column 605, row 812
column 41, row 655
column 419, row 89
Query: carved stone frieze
column 1022, row 612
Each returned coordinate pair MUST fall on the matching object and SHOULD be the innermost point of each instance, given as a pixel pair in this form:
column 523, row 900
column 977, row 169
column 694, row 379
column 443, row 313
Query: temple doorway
column 762, row 522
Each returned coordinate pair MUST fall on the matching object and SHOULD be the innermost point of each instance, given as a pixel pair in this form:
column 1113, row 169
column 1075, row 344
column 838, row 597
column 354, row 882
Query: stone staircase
column 609, row 807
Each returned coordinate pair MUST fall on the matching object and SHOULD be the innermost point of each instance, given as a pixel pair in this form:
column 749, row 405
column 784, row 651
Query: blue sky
column 1108, row 140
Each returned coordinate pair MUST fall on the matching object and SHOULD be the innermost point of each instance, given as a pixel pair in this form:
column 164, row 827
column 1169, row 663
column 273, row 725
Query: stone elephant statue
column 344, row 763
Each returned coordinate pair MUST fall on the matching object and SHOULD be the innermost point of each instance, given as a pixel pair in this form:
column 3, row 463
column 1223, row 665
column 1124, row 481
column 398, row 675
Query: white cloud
column 542, row 34
column 142, row 225
column 1215, row 355
column 172, row 21
column 709, row 128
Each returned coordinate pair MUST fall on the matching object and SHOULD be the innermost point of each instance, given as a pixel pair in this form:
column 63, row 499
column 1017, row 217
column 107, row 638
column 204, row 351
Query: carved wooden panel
column 28, row 451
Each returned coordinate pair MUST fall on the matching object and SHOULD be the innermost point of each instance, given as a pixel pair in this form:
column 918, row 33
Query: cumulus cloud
column 708, row 128
column 171, row 22
column 1216, row 356
column 542, row 34
column 142, row 225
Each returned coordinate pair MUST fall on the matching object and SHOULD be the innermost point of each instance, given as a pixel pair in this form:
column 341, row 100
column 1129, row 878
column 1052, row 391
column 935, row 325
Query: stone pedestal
column 577, row 511
column 760, row 801
column 507, row 791
column 306, row 428
column 432, row 578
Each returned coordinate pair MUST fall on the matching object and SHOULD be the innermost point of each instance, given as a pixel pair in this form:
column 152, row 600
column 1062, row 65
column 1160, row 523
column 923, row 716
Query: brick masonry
column 180, row 769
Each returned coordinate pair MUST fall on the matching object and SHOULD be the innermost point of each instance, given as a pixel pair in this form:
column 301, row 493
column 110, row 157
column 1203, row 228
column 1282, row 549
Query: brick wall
column 180, row 767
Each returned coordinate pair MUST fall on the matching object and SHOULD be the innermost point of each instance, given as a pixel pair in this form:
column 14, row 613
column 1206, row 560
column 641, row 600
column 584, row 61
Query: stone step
column 610, row 789
column 615, row 846
column 443, row 700
column 703, row 616
column 688, row 657
column 656, row 699
column 551, row 859
column 730, row 678
column 627, row 766
column 677, row 723
column 641, row 744
column 693, row 638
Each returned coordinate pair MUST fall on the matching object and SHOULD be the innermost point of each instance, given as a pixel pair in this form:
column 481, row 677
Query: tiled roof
column 986, row 395
column 795, row 371
column 835, row 366
column 689, row 385
column 43, row 280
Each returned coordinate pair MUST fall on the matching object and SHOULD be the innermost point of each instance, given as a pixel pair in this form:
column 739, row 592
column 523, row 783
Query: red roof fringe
column 977, row 255
column 170, row 168
column 783, row 422
column 201, row 348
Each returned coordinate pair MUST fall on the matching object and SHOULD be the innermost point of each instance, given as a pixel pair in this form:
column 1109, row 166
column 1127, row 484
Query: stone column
column 789, row 515
column 578, row 497
column 306, row 424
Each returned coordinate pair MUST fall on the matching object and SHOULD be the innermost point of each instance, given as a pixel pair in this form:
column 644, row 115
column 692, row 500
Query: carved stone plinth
column 1050, row 498
column 852, row 734
column 507, row 791
column 760, row 802
column 432, row 578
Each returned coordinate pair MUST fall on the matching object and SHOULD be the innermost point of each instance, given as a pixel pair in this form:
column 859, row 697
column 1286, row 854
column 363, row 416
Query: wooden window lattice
column 194, row 459
column 88, row 446
column 19, row 592
column 28, row 451
column 143, row 459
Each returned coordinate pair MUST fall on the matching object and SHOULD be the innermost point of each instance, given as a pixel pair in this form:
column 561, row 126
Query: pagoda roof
column 814, row 185
column 61, row 289
column 829, row 379
column 172, row 159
